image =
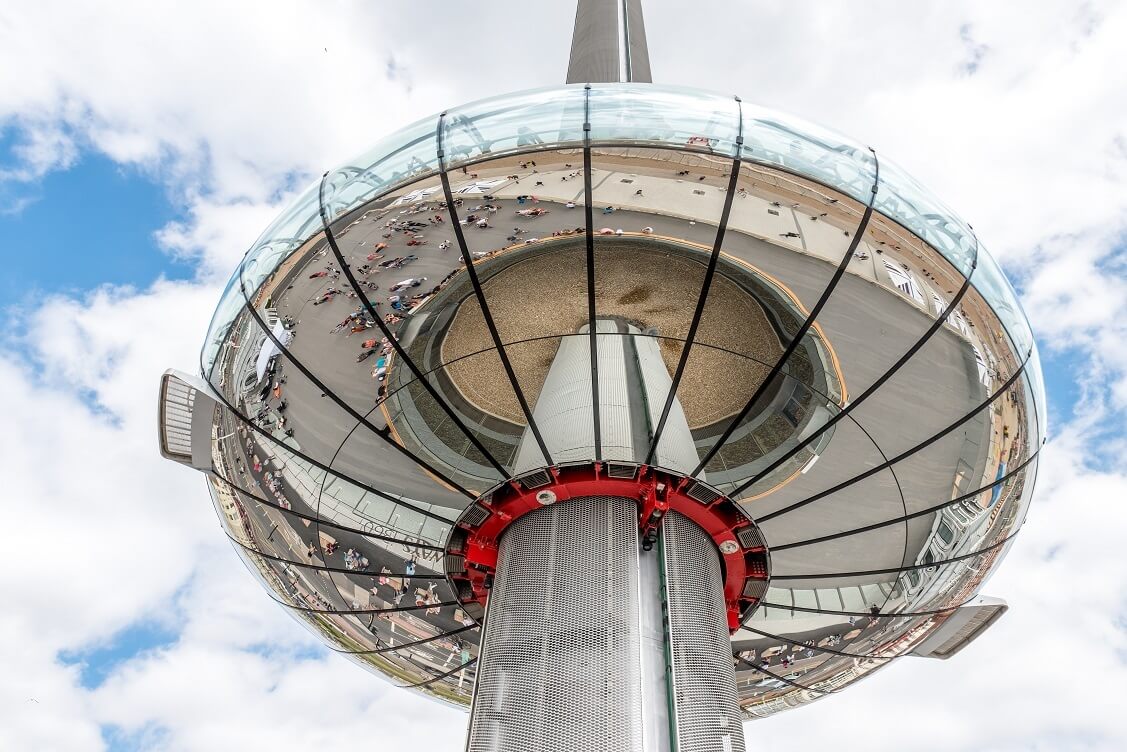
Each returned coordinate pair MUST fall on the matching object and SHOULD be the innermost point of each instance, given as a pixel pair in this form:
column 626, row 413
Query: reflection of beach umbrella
column 606, row 231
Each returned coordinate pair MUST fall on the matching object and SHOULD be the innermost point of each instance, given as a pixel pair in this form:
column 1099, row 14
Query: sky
column 143, row 147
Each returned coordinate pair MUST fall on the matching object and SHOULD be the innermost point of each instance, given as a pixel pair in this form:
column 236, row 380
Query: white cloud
column 1048, row 676
column 229, row 106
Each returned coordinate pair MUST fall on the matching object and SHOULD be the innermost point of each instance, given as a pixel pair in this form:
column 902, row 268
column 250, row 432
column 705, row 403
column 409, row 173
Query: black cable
column 339, row 612
column 395, row 340
column 833, row 420
column 440, row 677
column 793, row 345
column 321, row 521
column 340, row 570
column 467, row 258
column 590, row 233
column 382, row 433
column 894, row 570
column 706, row 285
column 921, row 513
column 903, row 455
column 831, row 651
column 394, row 648
column 773, row 675
column 322, row 466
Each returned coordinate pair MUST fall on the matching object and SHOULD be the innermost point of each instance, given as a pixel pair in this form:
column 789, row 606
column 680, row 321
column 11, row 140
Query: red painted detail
column 657, row 492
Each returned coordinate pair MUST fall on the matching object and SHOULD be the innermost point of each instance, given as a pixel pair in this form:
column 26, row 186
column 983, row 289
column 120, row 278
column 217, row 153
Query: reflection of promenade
column 803, row 272
column 278, row 533
column 797, row 233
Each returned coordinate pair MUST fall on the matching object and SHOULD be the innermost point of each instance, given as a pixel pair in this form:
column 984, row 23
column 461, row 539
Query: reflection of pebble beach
column 644, row 283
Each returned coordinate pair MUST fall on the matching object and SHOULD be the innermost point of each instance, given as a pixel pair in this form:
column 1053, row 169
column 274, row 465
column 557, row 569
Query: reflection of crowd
column 788, row 655
column 354, row 557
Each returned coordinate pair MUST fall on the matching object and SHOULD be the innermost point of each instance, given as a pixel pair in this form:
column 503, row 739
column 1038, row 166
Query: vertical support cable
column 802, row 330
column 590, row 231
column 382, row 433
column 476, row 283
column 706, row 285
column 395, row 340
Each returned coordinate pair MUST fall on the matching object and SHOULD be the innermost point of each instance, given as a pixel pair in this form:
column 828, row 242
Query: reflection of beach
column 650, row 287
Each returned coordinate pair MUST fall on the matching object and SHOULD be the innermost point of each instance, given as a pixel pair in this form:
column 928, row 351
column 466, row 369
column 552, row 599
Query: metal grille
column 535, row 479
column 704, row 679
column 754, row 588
column 618, row 470
column 475, row 515
column 453, row 563
column 749, row 537
column 561, row 658
column 702, row 493
column 176, row 403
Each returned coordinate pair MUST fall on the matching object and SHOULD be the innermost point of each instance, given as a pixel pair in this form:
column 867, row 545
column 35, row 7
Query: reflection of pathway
column 851, row 324
column 301, row 538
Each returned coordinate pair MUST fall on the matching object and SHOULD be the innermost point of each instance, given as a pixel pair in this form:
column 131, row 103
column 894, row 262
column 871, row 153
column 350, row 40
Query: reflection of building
column 622, row 398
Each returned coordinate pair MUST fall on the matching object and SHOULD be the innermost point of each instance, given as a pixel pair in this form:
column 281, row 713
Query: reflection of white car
column 772, row 683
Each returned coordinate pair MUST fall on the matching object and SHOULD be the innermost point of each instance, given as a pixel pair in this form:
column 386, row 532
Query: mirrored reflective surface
column 791, row 319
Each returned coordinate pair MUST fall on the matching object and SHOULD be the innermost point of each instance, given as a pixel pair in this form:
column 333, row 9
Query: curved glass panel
column 903, row 199
column 219, row 335
column 404, row 383
column 514, row 123
column 990, row 280
column 772, row 138
column 683, row 118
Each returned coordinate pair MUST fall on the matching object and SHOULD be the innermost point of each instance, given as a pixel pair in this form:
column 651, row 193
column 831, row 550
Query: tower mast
column 609, row 43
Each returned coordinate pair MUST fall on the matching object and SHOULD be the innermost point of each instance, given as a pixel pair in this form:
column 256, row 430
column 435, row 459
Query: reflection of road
column 809, row 664
column 869, row 326
column 293, row 539
column 272, row 529
column 879, row 329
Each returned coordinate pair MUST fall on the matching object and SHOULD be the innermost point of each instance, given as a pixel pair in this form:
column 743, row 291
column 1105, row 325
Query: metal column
column 560, row 668
column 609, row 43
column 592, row 644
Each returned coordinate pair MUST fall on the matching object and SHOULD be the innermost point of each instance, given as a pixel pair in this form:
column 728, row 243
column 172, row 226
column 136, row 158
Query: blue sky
column 89, row 225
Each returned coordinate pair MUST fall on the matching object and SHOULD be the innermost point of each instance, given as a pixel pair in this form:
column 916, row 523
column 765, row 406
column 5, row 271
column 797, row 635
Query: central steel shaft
column 593, row 644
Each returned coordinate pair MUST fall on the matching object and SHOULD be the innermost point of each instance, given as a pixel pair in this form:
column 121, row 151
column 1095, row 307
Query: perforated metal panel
column 561, row 663
column 704, row 681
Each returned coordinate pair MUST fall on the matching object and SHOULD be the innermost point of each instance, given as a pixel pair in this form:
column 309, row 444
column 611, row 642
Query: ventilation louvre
column 475, row 515
column 454, row 564
column 702, row 493
column 535, row 479
column 620, row 470
column 749, row 537
column 754, row 588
